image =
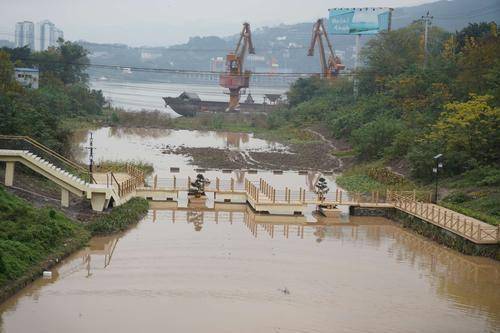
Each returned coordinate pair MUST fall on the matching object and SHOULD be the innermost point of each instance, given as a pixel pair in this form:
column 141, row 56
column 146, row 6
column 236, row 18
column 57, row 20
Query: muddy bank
column 311, row 156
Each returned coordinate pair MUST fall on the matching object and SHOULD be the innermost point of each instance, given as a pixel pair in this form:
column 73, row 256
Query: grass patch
column 359, row 183
column 344, row 153
column 119, row 218
column 29, row 236
column 373, row 177
column 119, row 166
column 144, row 118
column 482, row 204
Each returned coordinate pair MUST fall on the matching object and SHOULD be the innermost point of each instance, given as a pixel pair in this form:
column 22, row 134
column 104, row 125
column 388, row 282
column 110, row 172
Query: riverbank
column 34, row 239
column 305, row 150
column 313, row 147
column 475, row 194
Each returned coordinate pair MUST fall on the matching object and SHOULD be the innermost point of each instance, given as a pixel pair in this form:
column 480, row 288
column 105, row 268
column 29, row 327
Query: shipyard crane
column 235, row 78
column 329, row 68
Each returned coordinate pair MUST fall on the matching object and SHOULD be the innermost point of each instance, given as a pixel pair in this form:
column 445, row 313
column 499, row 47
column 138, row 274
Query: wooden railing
column 472, row 229
column 20, row 142
column 252, row 191
column 136, row 179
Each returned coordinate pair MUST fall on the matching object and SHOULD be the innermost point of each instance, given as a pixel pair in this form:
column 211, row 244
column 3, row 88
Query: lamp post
column 439, row 165
column 91, row 149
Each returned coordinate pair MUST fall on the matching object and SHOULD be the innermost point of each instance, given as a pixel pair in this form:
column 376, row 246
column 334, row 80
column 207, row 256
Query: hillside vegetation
column 63, row 93
column 410, row 109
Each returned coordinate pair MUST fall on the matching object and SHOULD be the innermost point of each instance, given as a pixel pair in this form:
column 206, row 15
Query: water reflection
column 472, row 282
column 147, row 144
column 337, row 274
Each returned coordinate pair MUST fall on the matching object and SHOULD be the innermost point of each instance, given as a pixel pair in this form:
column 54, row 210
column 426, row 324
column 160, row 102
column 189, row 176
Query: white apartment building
column 25, row 34
column 47, row 35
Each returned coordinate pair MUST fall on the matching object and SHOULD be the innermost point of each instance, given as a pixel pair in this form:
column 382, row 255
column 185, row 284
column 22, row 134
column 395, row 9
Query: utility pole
column 427, row 21
column 356, row 65
column 91, row 153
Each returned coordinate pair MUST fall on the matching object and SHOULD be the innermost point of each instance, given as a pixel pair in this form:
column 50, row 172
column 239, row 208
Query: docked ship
column 189, row 104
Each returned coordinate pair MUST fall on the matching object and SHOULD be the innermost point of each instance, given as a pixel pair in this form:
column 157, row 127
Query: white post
column 64, row 197
column 9, row 173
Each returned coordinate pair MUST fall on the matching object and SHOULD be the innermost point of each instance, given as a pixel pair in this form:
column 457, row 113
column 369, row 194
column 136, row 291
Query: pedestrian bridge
column 103, row 189
column 268, row 200
column 110, row 189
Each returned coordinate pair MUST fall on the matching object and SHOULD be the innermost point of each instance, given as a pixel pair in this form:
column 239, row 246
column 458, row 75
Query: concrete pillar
column 9, row 173
column 98, row 201
column 64, row 197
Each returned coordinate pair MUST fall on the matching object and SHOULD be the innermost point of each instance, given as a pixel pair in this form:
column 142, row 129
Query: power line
column 173, row 71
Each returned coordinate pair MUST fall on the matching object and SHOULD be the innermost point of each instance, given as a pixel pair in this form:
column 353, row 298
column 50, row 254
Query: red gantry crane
column 235, row 78
column 329, row 68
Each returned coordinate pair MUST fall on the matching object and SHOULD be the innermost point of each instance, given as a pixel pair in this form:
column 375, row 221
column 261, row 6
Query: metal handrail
column 50, row 152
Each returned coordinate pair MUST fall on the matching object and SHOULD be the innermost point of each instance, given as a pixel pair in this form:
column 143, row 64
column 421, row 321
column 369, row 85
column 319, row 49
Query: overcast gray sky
column 166, row 22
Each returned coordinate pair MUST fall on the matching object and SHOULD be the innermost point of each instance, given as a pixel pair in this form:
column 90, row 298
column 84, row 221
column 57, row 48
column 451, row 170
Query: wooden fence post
column 155, row 182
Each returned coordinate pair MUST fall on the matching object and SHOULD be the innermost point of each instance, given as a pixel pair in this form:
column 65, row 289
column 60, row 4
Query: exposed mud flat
column 304, row 156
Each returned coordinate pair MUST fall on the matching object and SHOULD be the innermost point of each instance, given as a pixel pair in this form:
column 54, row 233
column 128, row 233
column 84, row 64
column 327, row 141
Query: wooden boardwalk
column 465, row 226
column 263, row 197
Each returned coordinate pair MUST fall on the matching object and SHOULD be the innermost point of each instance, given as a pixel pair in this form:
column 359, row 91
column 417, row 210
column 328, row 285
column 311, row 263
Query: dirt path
column 330, row 144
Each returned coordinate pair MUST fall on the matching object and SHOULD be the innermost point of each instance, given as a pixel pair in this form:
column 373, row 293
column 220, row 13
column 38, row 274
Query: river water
column 227, row 270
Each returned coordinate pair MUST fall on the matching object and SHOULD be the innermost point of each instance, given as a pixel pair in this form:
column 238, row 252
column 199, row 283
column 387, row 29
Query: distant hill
column 283, row 47
column 450, row 15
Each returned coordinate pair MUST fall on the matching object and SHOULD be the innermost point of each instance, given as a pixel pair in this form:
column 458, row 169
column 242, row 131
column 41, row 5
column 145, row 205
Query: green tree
column 67, row 62
column 373, row 138
column 478, row 66
column 392, row 53
column 472, row 127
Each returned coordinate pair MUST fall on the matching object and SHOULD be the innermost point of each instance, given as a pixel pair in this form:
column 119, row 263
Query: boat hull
column 191, row 108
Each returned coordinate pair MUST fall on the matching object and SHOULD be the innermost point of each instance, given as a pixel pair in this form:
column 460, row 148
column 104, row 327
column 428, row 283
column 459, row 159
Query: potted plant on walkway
column 321, row 189
column 196, row 192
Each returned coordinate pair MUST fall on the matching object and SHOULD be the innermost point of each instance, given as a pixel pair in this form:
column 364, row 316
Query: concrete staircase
column 100, row 195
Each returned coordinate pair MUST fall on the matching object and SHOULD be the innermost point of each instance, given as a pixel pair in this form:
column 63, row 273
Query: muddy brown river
column 228, row 270
column 184, row 271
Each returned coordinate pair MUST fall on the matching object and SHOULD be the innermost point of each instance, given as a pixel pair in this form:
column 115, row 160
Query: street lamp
column 439, row 165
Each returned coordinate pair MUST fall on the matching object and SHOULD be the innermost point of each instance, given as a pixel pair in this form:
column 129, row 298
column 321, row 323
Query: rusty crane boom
column 330, row 67
column 235, row 78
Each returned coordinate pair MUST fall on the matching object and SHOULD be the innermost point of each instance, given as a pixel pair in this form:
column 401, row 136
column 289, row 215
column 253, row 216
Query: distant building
column 217, row 64
column 148, row 55
column 25, row 34
column 27, row 77
column 47, row 35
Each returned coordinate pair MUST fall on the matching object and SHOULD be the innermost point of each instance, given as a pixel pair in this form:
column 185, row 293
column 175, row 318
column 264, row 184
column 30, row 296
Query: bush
column 120, row 218
column 374, row 137
column 457, row 197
